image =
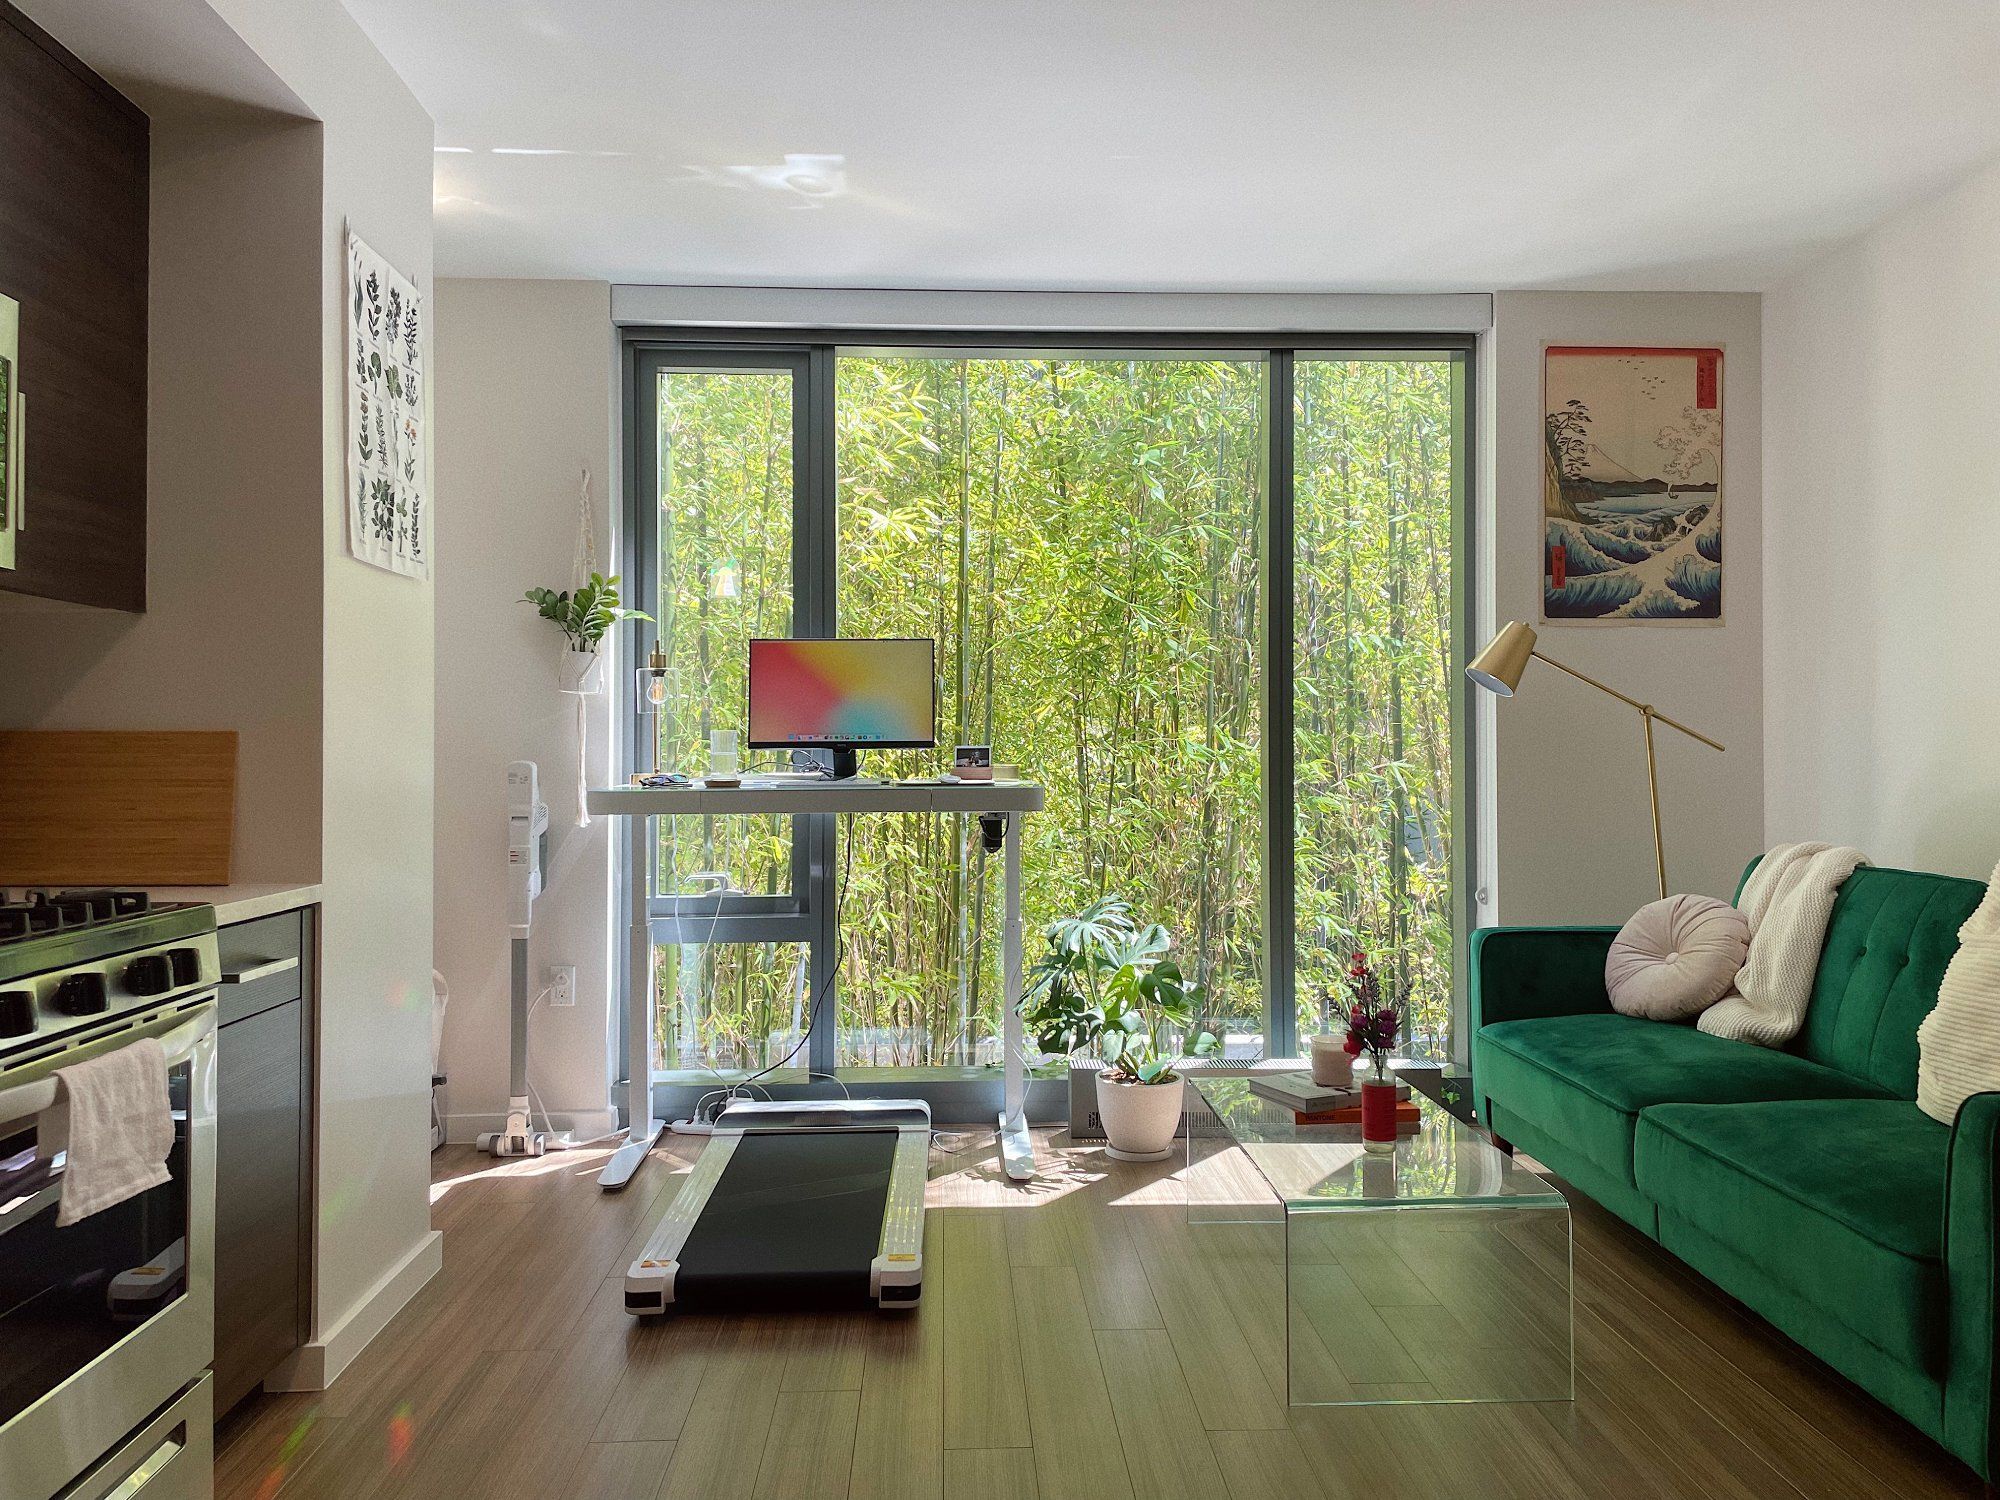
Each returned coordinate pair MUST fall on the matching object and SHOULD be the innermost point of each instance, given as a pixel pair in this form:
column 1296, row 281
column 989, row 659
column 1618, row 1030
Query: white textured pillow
column 1676, row 957
column 1958, row 1045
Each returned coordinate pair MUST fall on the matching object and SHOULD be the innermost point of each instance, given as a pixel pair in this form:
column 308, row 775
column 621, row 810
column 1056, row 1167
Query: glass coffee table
column 1436, row 1272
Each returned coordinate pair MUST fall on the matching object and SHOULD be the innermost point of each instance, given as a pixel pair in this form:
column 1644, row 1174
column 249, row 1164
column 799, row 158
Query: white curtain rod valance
column 1259, row 313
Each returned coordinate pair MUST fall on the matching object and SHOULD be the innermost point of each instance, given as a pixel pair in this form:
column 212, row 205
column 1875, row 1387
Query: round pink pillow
column 1676, row 957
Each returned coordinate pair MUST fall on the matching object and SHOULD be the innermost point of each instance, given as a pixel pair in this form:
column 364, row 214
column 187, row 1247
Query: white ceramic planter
column 582, row 672
column 1139, row 1118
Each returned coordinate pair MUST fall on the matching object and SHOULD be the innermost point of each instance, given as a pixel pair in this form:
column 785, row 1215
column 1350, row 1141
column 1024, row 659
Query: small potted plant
column 1374, row 1026
column 1109, row 982
column 583, row 617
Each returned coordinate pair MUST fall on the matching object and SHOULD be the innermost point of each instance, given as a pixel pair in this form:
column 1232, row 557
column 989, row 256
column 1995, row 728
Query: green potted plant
column 1109, row 982
column 583, row 617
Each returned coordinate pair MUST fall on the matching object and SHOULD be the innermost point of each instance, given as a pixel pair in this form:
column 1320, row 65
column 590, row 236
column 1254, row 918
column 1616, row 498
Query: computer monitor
column 843, row 696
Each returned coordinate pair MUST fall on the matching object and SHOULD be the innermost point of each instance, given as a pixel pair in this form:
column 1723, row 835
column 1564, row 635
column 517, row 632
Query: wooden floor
column 1078, row 1338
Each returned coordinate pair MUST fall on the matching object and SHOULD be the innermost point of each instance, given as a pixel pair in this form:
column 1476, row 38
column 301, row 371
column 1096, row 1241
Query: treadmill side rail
column 649, row 1280
column 896, row 1276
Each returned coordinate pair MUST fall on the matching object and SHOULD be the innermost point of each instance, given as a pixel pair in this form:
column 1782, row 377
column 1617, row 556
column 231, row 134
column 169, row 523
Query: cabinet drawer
column 263, row 964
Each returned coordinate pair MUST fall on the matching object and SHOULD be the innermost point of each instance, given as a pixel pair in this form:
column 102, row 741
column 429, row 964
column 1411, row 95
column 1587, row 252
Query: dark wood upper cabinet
column 73, row 204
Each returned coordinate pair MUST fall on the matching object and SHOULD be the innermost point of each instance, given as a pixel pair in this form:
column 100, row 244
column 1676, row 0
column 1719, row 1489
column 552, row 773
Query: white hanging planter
column 582, row 672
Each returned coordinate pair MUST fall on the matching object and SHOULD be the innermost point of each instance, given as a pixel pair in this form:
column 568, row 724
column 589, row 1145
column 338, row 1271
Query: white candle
column 1331, row 1066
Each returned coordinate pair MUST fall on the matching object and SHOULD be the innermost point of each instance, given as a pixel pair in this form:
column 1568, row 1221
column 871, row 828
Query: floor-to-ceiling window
column 1132, row 571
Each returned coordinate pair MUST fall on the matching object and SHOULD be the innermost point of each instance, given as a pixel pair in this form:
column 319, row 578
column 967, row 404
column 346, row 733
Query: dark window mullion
column 1280, row 893
column 815, row 530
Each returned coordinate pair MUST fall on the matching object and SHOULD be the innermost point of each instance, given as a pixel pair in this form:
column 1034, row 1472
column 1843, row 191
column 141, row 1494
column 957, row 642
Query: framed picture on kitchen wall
column 1632, row 485
column 388, row 494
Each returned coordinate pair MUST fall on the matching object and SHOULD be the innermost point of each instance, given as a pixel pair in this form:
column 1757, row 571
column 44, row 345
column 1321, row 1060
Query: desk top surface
column 858, row 796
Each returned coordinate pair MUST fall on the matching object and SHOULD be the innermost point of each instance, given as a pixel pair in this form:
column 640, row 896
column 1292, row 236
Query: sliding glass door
column 1133, row 570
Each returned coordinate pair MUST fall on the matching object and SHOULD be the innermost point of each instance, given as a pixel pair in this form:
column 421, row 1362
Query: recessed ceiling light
column 452, row 150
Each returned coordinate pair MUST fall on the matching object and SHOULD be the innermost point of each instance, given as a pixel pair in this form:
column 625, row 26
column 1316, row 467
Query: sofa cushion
column 1675, row 958
column 1584, row 1079
column 1839, row 1202
column 1888, row 941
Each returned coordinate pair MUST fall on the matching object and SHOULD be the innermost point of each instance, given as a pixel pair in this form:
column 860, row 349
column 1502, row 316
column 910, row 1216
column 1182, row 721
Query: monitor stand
column 846, row 762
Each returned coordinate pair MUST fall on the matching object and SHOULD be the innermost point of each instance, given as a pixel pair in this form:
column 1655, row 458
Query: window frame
column 807, row 915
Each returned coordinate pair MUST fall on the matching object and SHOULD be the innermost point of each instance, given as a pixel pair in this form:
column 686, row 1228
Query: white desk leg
column 1017, row 1151
column 642, row 1130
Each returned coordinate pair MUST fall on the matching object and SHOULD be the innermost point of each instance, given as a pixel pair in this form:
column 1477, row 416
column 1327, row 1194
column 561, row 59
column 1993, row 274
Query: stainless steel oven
column 107, row 1325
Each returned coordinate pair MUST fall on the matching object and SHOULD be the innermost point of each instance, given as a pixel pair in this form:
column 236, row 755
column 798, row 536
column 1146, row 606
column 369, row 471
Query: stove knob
column 149, row 974
column 186, row 965
column 81, row 994
column 17, row 1012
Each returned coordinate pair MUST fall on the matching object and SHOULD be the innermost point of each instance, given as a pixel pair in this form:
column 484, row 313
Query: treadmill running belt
column 795, row 1219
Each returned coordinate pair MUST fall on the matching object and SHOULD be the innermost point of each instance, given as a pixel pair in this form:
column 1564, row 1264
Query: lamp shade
column 1498, row 668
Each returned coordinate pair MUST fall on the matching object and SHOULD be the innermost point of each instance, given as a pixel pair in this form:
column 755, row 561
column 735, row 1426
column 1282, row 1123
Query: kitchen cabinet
column 74, row 200
column 263, row 1147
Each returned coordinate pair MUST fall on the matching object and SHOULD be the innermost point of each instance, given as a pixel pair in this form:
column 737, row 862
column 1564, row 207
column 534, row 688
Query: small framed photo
column 973, row 762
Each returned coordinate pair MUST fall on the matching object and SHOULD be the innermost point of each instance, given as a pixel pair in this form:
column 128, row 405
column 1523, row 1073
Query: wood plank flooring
column 1078, row 1337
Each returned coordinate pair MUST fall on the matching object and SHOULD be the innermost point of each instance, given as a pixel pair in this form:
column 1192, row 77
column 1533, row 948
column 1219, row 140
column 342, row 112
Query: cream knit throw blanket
column 1787, row 901
column 1958, row 1046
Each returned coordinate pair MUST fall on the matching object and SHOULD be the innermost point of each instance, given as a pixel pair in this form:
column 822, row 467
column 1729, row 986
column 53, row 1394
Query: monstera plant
column 1108, row 981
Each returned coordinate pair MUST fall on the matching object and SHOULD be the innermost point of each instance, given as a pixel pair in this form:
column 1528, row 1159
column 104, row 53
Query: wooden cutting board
column 116, row 807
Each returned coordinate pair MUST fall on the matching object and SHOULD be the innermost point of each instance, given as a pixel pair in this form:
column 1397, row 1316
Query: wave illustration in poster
column 1632, row 484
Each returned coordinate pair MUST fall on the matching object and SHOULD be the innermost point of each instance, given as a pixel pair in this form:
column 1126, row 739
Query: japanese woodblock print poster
column 1632, row 484
column 388, row 505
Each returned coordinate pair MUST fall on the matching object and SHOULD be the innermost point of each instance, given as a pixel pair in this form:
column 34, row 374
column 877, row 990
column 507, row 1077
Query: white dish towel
column 121, row 1128
column 1787, row 901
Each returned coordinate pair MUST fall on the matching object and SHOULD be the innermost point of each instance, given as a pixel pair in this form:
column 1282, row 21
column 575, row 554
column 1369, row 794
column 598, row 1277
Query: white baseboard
column 316, row 1365
column 584, row 1124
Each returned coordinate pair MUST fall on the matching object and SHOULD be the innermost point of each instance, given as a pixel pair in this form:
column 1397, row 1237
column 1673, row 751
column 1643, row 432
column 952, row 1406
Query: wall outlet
column 562, row 986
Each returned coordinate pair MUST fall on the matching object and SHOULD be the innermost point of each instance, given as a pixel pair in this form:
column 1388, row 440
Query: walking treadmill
column 815, row 1204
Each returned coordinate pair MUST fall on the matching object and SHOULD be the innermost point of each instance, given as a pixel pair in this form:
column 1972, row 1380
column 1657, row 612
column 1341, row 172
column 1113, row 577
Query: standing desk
column 640, row 805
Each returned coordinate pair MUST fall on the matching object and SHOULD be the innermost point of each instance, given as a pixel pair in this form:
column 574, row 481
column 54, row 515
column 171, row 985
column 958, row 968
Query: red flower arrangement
column 1373, row 1025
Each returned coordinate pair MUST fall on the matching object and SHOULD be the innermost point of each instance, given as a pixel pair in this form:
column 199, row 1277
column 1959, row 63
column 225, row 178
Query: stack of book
column 1313, row 1104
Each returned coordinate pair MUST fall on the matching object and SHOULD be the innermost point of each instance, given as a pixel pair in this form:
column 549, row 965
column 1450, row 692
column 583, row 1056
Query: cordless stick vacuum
column 527, row 848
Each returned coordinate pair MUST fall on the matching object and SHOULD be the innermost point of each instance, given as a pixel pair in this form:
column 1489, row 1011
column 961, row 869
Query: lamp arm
column 1645, row 708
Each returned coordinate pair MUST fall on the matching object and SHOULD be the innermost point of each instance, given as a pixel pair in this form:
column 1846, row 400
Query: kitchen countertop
column 240, row 903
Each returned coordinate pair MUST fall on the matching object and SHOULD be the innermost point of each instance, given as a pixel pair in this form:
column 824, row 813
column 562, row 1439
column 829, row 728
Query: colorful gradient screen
column 859, row 693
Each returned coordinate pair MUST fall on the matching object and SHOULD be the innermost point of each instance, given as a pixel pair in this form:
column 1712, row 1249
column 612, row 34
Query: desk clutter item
column 90, row 807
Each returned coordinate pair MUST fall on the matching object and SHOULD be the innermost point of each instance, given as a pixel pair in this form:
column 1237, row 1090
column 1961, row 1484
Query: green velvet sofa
column 1805, row 1183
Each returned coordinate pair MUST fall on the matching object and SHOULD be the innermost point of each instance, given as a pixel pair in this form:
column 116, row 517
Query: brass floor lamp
column 1498, row 669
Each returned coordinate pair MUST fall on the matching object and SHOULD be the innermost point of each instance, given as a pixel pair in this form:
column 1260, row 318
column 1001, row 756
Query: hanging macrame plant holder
column 582, row 672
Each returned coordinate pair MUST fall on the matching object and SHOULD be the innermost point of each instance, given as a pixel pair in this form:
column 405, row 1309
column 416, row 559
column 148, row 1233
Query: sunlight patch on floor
column 583, row 1160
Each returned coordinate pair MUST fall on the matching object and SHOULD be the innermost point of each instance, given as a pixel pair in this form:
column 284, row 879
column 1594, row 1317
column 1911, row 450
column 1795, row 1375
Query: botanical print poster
column 388, row 509
column 1632, row 484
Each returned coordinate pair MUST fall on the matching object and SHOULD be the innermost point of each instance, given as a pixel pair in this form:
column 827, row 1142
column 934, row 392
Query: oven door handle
column 26, row 1099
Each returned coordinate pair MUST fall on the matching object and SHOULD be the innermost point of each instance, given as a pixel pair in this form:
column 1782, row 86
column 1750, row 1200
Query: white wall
column 375, row 1239
column 1881, row 713
column 510, row 446
column 1569, row 832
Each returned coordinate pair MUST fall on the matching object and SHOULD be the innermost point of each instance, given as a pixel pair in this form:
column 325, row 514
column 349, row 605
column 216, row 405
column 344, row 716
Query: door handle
column 263, row 968
column 150, row 1467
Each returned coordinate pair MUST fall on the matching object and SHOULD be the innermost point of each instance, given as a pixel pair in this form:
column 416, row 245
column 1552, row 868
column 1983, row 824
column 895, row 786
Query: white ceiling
column 1216, row 144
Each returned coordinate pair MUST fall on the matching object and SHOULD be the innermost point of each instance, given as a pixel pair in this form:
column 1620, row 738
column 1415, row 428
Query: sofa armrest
column 1971, row 1271
column 1518, row 972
